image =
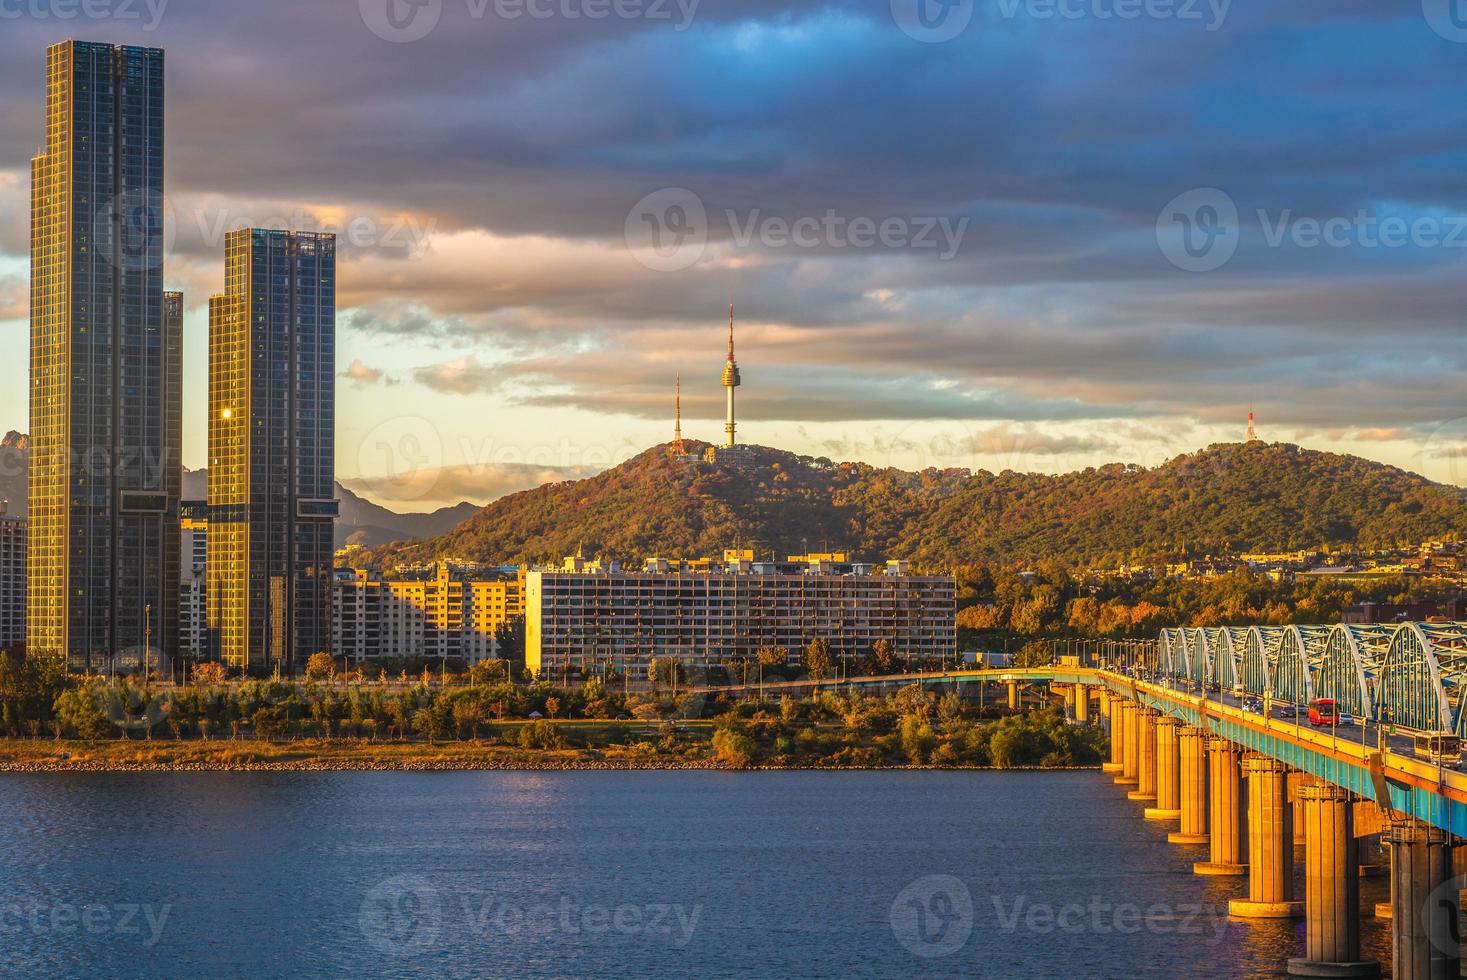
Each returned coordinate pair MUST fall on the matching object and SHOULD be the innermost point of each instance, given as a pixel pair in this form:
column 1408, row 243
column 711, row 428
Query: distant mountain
column 362, row 522
column 1242, row 496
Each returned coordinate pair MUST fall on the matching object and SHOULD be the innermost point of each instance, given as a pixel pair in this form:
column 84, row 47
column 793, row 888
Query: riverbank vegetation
column 268, row 724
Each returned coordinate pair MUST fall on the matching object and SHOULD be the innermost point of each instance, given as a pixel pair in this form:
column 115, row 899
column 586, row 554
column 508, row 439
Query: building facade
column 272, row 368
column 105, row 366
column 444, row 611
column 705, row 611
column 12, row 580
column 193, row 557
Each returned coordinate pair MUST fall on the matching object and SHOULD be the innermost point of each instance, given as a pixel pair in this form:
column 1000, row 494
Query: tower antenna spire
column 678, row 446
column 1252, row 432
column 731, row 380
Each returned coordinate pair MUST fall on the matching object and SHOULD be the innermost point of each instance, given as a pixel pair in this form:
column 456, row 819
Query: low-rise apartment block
column 446, row 610
column 705, row 611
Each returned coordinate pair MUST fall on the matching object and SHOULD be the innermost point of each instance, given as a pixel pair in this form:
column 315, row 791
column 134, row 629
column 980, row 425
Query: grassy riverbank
column 214, row 755
column 283, row 725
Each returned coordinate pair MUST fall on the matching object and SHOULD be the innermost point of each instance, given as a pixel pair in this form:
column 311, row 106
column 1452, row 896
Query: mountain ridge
column 1241, row 496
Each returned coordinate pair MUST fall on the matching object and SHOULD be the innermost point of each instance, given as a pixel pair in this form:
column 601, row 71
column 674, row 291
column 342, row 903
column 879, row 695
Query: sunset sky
column 989, row 274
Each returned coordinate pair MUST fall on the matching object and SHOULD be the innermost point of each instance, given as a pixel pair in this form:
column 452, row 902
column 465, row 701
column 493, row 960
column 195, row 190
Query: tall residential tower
column 105, row 374
column 272, row 364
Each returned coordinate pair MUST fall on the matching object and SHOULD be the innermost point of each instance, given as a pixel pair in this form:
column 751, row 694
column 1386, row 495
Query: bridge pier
column 1013, row 687
column 1426, row 903
column 1130, row 748
column 1332, row 887
column 1270, row 844
column 1110, row 711
column 1296, row 781
column 1192, row 784
column 1082, row 704
column 1168, row 771
column 1227, row 812
column 1145, row 756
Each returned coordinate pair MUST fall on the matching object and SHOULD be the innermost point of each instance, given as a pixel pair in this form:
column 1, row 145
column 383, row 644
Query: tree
column 884, row 655
column 818, row 659
column 489, row 671
column 208, row 673
column 78, row 712
column 733, row 749
column 663, row 670
column 1035, row 653
column 772, row 656
column 552, row 706
column 468, row 715
column 320, row 666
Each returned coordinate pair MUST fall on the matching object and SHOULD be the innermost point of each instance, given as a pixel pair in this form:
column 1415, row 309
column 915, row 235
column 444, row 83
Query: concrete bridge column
column 1130, row 747
column 1192, row 782
column 1168, row 771
column 1227, row 823
column 1426, row 901
column 1111, row 709
column 1270, row 843
column 1145, row 756
column 1082, row 704
column 1013, row 687
column 1331, row 887
column 1296, row 781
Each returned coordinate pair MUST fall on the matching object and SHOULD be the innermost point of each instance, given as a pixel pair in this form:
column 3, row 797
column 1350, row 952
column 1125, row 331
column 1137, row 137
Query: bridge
column 1208, row 729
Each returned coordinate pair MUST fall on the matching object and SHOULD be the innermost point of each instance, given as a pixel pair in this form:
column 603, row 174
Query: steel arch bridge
column 1353, row 658
column 1410, row 674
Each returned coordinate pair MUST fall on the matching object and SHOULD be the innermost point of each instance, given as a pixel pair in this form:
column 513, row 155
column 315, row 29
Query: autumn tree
column 818, row 658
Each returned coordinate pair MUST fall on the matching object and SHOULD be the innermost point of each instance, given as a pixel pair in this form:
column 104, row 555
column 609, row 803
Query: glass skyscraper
column 105, row 379
column 272, row 364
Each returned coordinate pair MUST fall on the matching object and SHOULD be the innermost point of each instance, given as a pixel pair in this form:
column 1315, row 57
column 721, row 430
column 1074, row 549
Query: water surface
column 602, row 874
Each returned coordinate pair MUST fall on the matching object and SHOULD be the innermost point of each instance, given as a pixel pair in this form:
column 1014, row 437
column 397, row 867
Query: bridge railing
column 1409, row 674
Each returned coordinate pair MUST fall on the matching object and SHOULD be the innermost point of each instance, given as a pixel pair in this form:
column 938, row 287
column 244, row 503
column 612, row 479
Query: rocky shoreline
column 471, row 765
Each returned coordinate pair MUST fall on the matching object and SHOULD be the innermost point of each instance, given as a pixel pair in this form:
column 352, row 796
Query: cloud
column 461, row 376
column 498, row 159
column 363, row 376
column 478, row 483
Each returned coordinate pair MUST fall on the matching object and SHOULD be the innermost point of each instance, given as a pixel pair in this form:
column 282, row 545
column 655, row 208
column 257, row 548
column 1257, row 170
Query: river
column 613, row 874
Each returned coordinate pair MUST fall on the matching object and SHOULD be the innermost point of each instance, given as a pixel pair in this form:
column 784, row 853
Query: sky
column 1036, row 235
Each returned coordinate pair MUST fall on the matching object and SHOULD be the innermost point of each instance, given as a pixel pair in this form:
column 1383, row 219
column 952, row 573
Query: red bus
column 1322, row 712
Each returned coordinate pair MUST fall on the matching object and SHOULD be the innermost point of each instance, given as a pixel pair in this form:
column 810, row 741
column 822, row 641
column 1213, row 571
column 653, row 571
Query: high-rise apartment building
column 272, row 364
column 106, row 365
column 193, row 556
column 12, row 580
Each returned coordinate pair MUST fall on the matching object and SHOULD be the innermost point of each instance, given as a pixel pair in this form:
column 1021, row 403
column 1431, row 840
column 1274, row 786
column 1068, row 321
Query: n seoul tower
column 731, row 381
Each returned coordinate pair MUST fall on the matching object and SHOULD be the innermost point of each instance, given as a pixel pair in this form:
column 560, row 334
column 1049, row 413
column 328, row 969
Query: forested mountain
column 1241, row 496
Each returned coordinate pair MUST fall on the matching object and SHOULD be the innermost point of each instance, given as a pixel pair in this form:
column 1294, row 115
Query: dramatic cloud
column 363, row 376
column 555, row 213
column 462, row 376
